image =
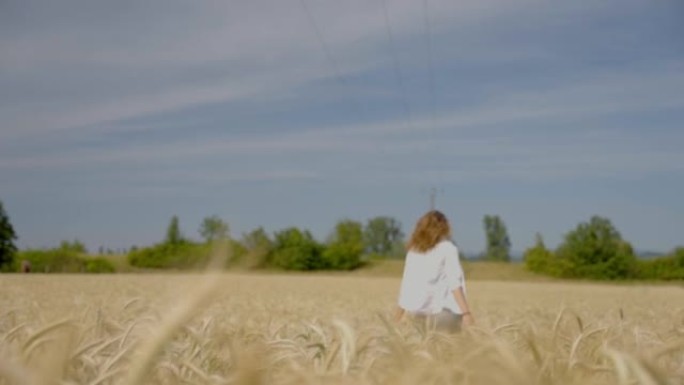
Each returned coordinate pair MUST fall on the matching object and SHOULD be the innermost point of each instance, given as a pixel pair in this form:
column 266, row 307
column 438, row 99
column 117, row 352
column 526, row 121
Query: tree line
column 68, row 257
column 596, row 250
column 593, row 250
column 347, row 247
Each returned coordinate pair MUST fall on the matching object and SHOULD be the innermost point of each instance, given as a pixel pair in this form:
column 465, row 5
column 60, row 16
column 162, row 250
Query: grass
column 474, row 270
column 119, row 261
column 309, row 329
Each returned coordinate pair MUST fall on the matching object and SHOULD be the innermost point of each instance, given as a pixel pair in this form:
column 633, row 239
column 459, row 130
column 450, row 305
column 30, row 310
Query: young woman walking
column 433, row 286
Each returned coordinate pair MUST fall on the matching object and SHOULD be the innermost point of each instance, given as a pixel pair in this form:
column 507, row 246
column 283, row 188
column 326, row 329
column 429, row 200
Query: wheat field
column 297, row 329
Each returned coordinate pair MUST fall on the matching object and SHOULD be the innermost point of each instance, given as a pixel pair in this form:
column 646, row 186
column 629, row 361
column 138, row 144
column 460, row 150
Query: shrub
column 670, row 267
column 539, row 259
column 345, row 247
column 258, row 248
column 99, row 265
column 75, row 246
column 596, row 250
column 63, row 260
column 52, row 261
column 297, row 250
column 678, row 255
column 342, row 256
column 182, row 255
column 238, row 252
column 179, row 255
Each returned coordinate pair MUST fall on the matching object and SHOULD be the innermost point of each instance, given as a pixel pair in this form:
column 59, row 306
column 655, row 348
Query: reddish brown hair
column 431, row 228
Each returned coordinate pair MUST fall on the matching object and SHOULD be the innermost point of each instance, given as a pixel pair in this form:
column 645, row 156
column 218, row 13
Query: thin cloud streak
column 625, row 93
column 212, row 105
column 576, row 155
column 260, row 63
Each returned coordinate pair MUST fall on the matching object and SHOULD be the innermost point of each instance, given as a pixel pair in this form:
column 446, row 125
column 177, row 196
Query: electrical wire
column 396, row 65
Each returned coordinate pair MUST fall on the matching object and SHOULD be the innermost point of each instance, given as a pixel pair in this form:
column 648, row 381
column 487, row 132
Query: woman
column 433, row 286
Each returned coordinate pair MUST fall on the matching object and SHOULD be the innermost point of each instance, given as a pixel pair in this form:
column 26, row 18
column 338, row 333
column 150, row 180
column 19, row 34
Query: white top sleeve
column 452, row 266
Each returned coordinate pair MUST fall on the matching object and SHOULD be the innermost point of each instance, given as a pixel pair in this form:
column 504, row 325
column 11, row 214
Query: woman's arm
column 462, row 302
column 456, row 282
column 399, row 314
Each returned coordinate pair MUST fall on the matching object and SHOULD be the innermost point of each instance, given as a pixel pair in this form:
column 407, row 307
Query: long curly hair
column 431, row 228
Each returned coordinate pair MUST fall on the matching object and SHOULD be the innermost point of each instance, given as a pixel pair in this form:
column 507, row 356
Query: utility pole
column 433, row 191
column 433, row 197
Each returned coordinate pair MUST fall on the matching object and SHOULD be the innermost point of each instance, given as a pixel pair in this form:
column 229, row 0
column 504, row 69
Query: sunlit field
column 299, row 329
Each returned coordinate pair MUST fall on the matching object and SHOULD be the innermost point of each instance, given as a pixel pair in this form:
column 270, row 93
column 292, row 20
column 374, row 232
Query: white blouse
column 429, row 280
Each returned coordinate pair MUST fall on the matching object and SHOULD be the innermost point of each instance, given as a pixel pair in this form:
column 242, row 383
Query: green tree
column 678, row 256
column 173, row 233
column 297, row 250
column 259, row 247
column 257, row 239
column 667, row 267
column 539, row 259
column 213, row 228
column 498, row 243
column 175, row 251
column 182, row 255
column 345, row 246
column 383, row 237
column 75, row 246
column 7, row 238
column 99, row 265
column 57, row 260
column 595, row 249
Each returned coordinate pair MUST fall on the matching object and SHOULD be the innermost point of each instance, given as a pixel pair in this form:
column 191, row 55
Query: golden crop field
column 310, row 329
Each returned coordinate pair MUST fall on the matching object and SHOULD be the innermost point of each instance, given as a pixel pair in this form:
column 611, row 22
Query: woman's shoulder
column 447, row 245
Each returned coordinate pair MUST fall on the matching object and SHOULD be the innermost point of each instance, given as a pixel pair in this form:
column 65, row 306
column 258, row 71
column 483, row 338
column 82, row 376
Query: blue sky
column 114, row 116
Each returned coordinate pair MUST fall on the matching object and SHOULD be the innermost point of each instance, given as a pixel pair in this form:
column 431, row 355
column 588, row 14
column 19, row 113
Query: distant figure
column 433, row 286
column 25, row 266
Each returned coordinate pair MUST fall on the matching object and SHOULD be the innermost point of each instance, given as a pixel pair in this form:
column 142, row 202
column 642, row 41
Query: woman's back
column 429, row 278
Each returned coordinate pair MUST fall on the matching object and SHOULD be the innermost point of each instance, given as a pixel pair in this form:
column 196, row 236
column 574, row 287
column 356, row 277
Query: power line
column 353, row 102
column 396, row 66
column 433, row 197
column 431, row 86
column 428, row 40
column 322, row 42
